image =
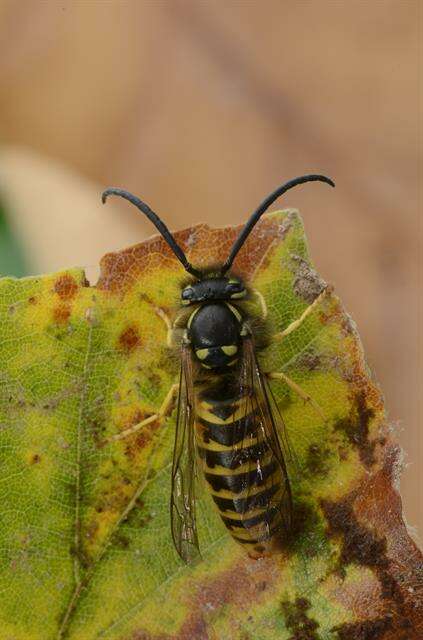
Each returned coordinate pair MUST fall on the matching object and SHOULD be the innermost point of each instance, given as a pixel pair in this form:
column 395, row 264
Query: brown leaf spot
column 13, row 564
column 143, row 635
column 364, row 629
column 348, row 326
column 305, row 522
column 61, row 314
column 310, row 361
column 359, row 545
column 143, row 520
column 317, row 460
column 139, row 439
column 363, row 546
column 66, row 287
column 121, row 541
column 32, row 300
column 235, row 587
column 36, row 458
column 129, row 339
column 307, row 283
column 145, row 436
column 96, row 426
column 356, row 428
column 298, row 621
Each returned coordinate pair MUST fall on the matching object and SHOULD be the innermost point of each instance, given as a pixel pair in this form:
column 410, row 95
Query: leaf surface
column 85, row 544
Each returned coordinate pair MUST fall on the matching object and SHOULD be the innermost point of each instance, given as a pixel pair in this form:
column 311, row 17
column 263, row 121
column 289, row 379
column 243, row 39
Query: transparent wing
column 183, row 522
column 269, row 468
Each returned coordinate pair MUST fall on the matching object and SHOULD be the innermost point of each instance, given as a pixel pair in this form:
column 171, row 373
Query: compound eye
column 234, row 286
column 236, row 289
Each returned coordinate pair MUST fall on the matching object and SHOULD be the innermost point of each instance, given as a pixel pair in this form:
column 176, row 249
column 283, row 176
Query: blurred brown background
column 202, row 108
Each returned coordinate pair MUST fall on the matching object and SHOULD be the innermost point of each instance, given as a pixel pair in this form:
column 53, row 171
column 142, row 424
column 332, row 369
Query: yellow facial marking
column 202, row 354
column 240, row 294
column 230, row 349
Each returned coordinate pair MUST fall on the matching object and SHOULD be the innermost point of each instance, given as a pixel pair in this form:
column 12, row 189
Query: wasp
column 227, row 421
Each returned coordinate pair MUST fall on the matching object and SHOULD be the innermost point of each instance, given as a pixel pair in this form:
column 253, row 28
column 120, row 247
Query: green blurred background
column 202, row 108
column 12, row 257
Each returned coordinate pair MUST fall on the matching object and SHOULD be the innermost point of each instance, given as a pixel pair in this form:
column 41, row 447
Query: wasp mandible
column 227, row 420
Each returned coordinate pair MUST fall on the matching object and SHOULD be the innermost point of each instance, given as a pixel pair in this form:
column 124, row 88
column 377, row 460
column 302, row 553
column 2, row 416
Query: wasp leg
column 163, row 315
column 295, row 387
column 296, row 323
column 164, row 411
column 172, row 329
column 262, row 302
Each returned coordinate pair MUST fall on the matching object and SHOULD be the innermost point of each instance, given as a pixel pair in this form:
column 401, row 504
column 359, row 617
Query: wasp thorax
column 213, row 289
column 214, row 331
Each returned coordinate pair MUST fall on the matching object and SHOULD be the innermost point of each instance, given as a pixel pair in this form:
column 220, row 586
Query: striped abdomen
column 242, row 474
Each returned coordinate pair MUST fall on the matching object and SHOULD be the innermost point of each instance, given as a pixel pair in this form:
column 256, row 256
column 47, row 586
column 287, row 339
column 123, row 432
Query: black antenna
column 262, row 208
column 159, row 224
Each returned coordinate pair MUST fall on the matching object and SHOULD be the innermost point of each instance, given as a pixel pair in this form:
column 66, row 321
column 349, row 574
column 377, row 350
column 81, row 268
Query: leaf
column 85, row 543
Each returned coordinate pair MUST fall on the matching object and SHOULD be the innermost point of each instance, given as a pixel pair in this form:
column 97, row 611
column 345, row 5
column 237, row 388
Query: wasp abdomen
column 242, row 474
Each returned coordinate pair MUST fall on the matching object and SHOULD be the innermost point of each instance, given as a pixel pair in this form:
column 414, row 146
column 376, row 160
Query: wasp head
column 209, row 289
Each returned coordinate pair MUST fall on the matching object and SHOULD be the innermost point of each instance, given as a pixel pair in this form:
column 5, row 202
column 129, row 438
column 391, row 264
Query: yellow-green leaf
column 85, row 543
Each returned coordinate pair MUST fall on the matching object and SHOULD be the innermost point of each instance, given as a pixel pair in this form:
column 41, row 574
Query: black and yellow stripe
column 243, row 476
